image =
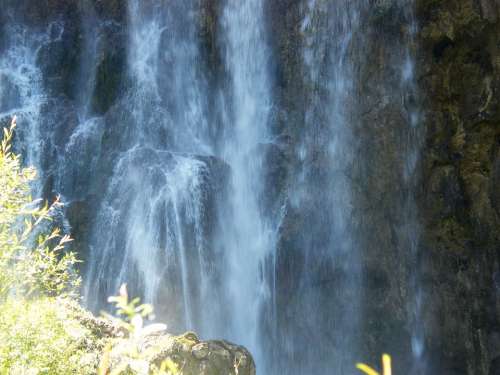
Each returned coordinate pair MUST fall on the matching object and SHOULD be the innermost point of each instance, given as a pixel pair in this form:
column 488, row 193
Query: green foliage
column 132, row 312
column 33, row 260
column 41, row 337
column 386, row 367
column 133, row 357
column 38, row 335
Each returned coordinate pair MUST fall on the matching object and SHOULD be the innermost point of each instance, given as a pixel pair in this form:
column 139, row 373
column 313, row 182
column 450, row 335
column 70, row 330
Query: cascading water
column 249, row 235
column 411, row 229
column 21, row 90
column 322, row 192
column 174, row 171
column 151, row 227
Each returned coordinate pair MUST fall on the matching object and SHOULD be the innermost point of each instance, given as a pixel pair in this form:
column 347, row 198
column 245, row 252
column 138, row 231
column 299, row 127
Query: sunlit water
column 175, row 173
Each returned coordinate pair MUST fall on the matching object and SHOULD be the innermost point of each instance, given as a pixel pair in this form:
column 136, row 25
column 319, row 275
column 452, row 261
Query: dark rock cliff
column 460, row 79
column 455, row 185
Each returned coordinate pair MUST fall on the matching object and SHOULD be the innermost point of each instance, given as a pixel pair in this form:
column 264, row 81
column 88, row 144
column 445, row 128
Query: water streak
column 249, row 237
column 150, row 230
column 413, row 144
column 322, row 192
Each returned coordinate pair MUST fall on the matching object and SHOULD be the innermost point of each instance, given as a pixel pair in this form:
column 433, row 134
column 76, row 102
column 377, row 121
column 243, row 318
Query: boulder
column 151, row 345
column 191, row 355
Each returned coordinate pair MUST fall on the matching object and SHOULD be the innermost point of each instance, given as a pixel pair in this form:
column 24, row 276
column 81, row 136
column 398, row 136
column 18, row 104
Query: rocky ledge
column 118, row 350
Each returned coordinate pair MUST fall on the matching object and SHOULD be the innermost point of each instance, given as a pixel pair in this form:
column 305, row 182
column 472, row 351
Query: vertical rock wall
column 460, row 77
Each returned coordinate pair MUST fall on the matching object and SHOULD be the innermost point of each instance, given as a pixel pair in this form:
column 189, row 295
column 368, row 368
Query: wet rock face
column 456, row 192
column 459, row 73
column 9, row 94
column 39, row 12
column 110, row 69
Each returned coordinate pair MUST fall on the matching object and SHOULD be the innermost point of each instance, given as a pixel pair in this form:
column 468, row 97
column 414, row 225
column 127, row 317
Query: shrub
column 33, row 260
column 41, row 337
column 134, row 357
column 38, row 334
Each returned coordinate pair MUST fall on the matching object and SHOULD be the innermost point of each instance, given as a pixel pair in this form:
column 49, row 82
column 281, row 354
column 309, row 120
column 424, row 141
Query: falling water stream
column 413, row 144
column 249, row 105
column 21, row 87
column 326, row 155
column 176, row 185
column 158, row 182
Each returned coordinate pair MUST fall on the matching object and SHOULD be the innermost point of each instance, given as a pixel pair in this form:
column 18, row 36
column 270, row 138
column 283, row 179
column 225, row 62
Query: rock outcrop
column 114, row 347
column 190, row 355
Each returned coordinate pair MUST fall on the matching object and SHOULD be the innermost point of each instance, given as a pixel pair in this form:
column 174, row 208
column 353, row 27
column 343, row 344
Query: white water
column 179, row 215
column 21, row 87
column 326, row 155
column 150, row 219
column 250, row 235
column 411, row 228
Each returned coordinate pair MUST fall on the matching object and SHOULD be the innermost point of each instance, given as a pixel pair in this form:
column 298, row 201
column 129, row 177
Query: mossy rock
column 191, row 355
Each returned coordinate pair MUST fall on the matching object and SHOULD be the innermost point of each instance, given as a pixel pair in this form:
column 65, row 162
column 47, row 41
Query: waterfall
column 249, row 234
column 151, row 229
column 21, row 86
column 164, row 149
column 413, row 144
column 322, row 192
